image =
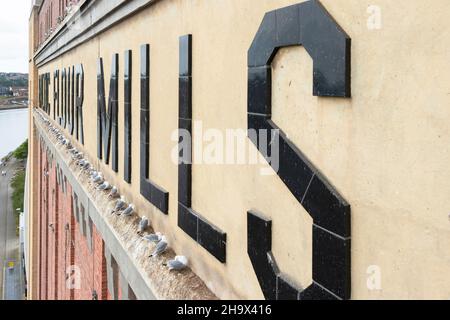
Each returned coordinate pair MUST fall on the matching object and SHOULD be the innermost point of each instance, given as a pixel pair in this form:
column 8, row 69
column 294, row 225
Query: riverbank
column 7, row 108
column 10, row 103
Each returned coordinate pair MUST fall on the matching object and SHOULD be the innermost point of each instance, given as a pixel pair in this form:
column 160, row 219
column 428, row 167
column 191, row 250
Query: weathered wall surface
column 385, row 149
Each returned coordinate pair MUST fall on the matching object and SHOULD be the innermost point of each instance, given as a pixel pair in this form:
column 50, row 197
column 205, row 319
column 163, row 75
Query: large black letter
column 128, row 115
column 153, row 193
column 63, row 116
column 310, row 25
column 107, row 120
column 55, row 94
column 203, row 232
column 79, row 99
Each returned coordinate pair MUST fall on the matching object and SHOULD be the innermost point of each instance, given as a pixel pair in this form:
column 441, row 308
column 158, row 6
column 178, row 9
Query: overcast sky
column 14, row 16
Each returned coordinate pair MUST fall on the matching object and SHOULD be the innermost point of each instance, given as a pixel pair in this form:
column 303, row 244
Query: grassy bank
column 21, row 153
column 18, row 181
column 18, row 185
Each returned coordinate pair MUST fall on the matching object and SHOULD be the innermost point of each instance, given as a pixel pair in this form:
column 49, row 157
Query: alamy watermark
column 227, row 147
column 374, row 22
column 374, row 278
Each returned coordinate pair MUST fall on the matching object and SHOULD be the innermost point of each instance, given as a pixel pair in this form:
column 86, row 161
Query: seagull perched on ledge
column 178, row 264
column 161, row 247
column 63, row 141
column 78, row 155
column 98, row 179
column 155, row 238
column 87, row 166
column 105, row 186
column 143, row 225
column 114, row 194
column 121, row 204
column 128, row 211
column 93, row 173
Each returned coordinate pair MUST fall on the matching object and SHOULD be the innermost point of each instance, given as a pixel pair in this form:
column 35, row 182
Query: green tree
column 21, row 153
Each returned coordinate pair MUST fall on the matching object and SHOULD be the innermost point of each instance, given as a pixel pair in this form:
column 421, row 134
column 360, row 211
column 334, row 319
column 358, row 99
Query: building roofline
column 36, row 5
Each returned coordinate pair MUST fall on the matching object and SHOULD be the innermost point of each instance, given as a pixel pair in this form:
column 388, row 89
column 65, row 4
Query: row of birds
column 121, row 208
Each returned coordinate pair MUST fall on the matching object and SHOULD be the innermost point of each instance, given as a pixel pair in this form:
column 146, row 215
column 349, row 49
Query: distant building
column 6, row 91
column 19, row 92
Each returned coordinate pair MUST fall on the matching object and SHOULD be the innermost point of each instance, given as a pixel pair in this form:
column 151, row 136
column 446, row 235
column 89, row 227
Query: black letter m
column 107, row 120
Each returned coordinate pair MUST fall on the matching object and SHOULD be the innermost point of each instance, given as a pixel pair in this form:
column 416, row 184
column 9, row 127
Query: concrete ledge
column 91, row 19
column 148, row 278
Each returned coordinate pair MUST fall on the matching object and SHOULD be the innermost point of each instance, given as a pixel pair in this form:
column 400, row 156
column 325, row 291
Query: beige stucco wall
column 386, row 150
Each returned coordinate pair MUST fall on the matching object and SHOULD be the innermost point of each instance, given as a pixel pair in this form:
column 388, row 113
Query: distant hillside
column 13, row 79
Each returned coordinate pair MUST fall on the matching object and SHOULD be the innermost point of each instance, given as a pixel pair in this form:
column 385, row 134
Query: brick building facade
column 72, row 265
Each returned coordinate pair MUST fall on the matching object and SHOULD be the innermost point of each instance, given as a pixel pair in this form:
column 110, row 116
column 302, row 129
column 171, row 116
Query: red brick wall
column 49, row 13
column 61, row 242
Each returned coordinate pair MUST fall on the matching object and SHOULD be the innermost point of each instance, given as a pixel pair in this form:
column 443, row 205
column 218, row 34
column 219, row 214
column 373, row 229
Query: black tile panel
column 316, row 292
column 327, row 208
column 212, row 239
column 259, row 246
column 185, row 162
column 264, row 45
column 159, row 197
column 185, row 184
column 113, row 111
column 100, row 105
column 285, row 290
column 185, row 56
column 332, row 262
column 145, row 114
column 185, row 97
column 187, row 221
column 257, row 122
column 294, row 169
column 63, row 119
column 329, row 46
column 288, row 26
column 260, row 90
column 145, row 61
column 55, row 94
column 70, row 112
column 67, row 98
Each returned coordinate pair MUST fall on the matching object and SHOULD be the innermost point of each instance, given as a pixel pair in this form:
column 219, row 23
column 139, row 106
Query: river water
column 13, row 130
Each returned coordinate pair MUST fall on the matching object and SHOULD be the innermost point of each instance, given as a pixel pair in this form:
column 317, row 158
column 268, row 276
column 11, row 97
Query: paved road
column 9, row 241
